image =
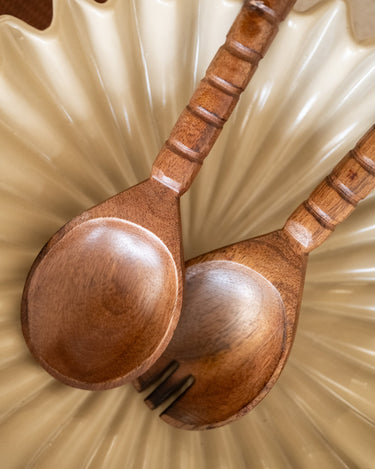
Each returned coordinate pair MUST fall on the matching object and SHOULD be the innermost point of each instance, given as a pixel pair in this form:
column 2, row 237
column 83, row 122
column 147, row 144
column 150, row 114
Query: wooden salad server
column 241, row 307
column 104, row 295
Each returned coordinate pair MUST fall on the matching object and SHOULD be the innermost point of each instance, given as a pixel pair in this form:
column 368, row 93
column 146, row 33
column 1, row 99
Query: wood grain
column 103, row 297
column 235, row 332
column 241, row 307
column 336, row 197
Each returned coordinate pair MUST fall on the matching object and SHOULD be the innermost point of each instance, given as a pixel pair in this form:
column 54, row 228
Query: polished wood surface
column 336, row 197
column 104, row 295
column 230, row 71
column 241, row 307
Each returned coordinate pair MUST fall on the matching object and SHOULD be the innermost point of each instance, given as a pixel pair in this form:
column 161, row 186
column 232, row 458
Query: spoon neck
column 335, row 198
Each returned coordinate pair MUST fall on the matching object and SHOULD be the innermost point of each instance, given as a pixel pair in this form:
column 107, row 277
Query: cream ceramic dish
column 84, row 108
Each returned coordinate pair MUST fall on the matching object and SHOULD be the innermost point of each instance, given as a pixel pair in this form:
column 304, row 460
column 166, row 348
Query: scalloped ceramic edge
column 88, row 136
column 362, row 25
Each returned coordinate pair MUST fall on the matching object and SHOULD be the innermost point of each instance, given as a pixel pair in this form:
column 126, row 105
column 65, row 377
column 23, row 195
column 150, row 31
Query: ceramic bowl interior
column 84, row 107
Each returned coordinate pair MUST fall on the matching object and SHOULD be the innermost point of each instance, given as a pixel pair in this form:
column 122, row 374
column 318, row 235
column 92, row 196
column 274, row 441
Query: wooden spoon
column 104, row 295
column 241, row 307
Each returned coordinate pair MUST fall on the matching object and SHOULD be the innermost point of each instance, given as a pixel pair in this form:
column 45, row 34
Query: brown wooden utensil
column 241, row 307
column 104, row 295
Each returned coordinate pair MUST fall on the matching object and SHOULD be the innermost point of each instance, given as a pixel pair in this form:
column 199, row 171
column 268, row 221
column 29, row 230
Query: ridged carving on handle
column 222, row 85
column 185, row 152
column 206, row 116
column 366, row 163
column 269, row 13
column 213, row 102
column 320, row 216
column 336, row 196
column 242, row 52
column 344, row 191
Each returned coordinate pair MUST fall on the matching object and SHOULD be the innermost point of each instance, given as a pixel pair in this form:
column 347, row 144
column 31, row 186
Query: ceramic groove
column 310, row 438
column 338, row 453
column 347, row 355
column 75, row 136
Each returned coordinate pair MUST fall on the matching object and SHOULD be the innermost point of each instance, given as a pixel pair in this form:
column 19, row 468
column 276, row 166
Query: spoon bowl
column 101, row 286
column 234, row 333
column 110, row 284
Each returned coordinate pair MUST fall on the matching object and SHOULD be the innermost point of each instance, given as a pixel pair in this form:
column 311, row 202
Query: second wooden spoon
column 241, row 306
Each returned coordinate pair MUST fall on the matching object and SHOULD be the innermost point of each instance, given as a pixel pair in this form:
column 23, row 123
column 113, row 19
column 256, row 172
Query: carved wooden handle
column 215, row 98
column 336, row 197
